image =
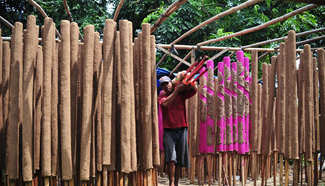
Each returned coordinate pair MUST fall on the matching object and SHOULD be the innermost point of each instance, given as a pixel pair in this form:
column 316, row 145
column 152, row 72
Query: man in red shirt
column 172, row 101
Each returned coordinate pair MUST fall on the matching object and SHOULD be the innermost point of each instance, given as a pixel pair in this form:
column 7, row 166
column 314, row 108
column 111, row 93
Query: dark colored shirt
column 174, row 115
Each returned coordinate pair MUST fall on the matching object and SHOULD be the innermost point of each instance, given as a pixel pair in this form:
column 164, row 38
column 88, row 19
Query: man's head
column 166, row 83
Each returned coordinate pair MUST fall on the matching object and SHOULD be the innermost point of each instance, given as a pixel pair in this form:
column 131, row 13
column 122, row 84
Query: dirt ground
column 163, row 181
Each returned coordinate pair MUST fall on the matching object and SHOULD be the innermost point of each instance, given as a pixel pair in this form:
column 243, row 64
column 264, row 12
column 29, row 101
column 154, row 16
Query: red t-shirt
column 174, row 115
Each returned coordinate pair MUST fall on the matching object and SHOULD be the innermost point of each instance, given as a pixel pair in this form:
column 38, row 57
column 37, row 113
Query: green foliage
column 192, row 13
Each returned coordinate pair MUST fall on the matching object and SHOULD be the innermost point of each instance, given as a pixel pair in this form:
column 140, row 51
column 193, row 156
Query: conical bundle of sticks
column 80, row 112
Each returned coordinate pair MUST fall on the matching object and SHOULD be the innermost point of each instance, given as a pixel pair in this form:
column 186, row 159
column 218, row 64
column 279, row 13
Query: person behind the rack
column 172, row 100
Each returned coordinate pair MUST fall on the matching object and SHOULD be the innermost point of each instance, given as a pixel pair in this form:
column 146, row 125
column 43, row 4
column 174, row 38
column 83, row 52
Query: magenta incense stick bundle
column 220, row 132
column 228, row 104
column 234, row 104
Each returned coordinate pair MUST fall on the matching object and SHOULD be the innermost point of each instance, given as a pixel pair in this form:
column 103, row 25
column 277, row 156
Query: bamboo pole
column 282, row 38
column 262, row 26
column 172, row 8
column 87, row 84
column 310, row 40
column 174, row 56
column 42, row 12
column 321, row 71
column 15, row 94
column 118, row 9
column 66, row 7
column 7, row 23
column 30, row 45
column 214, row 48
column 216, row 17
column 180, row 63
column 65, row 99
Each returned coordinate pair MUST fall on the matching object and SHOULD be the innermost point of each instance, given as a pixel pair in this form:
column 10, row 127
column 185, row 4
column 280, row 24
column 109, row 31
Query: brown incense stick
column 48, row 40
column 134, row 160
column 321, row 70
column 54, row 109
column 107, row 98
column 15, row 87
column 125, row 98
column 65, row 100
column 30, row 49
column 146, row 97
column 155, row 129
column 38, row 96
column 87, row 85
column 74, row 70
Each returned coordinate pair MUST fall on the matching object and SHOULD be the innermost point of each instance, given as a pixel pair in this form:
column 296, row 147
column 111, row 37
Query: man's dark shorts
column 176, row 147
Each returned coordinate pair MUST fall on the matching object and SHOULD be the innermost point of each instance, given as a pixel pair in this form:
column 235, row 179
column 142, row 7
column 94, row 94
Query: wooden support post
column 286, row 172
column 275, row 162
column 46, row 181
column 281, row 169
column 295, row 172
column 235, row 159
column 65, row 183
column 230, row 155
column 263, row 170
column 220, row 169
column 99, row 179
column 125, row 180
column 192, row 169
column 320, row 167
column 301, row 169
column 315, row 169
column 242, row 170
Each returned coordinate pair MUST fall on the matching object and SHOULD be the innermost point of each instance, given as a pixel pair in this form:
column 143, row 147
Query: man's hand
column 182, row 87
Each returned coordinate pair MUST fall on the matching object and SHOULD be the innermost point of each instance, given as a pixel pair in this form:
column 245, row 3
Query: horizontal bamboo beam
column 262, row 26
column 214, row 18
column 310, row 40
column 214, row 48
column 282, row 38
